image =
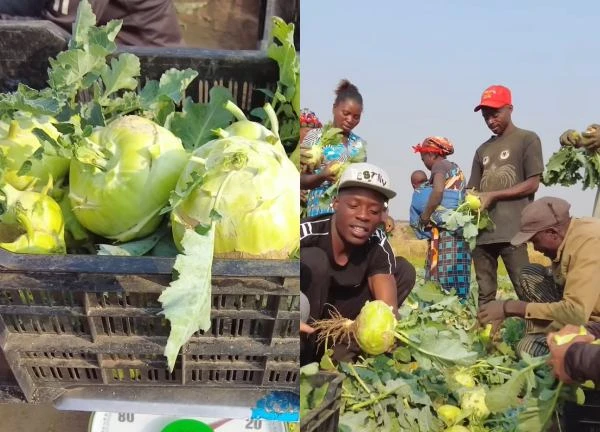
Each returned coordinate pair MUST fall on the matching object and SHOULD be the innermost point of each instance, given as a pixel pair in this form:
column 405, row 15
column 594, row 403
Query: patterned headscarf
column 435, row 144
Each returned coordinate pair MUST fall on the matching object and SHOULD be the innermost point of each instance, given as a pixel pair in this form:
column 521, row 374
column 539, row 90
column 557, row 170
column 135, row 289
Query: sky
column 421, row 68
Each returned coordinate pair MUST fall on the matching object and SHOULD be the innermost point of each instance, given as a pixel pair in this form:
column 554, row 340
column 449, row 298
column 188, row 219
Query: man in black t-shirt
column 345, row 259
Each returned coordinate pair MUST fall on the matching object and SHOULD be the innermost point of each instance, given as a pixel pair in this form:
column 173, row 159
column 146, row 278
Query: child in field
column 418, row 178
column 422, row 190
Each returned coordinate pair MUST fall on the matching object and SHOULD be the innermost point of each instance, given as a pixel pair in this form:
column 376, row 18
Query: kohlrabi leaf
column 430, row 292
column 174, row 82
column 134, row 248
column 104, row 36
column 68, row 72
column 507, row 395
column 84, row 21
column 284, row 54
column 158, row 98
column 445, row 348
column 187, row 300
column 120, row 75
column 195, row 125
column 26, row 99
column 285, row 99
column 538, row 412
column 563, row 167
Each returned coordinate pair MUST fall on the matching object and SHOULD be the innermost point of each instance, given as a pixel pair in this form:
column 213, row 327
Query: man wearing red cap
column 568, row 292
column 505, row 174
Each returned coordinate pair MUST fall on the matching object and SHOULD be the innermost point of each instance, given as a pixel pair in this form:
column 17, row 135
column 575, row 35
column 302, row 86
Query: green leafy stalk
column 285, row 100
column 272, row 118
column 375, row 399
column 235, row 110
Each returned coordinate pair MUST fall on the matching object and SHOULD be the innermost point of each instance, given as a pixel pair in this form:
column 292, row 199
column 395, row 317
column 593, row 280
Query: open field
column 405, row 244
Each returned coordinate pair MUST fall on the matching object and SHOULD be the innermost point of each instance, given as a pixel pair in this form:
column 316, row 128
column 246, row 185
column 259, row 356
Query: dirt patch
column 38, row 418
column 220, row 24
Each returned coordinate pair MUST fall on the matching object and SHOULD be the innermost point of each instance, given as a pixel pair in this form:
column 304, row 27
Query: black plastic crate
column 26, row 46
column 583, row 418
column 76, row 321
column 88, row 326
column 326, row 417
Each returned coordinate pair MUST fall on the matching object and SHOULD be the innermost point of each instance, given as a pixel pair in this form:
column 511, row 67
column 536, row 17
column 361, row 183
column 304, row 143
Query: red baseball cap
column 495, row 96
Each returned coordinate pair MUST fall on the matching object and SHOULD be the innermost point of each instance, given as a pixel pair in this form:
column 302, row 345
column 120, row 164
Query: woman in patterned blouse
column 347, row 110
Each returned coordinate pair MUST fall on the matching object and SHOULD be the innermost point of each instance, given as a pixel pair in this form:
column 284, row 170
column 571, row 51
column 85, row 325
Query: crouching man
column 567, row 292
column 346, row 260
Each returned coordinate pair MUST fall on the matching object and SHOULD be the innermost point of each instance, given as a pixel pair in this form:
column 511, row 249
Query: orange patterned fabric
column 433, row 252
column 435, row 144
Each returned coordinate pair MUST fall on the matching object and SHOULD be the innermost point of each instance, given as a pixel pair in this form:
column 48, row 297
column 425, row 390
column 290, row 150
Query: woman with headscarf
column 448, row 256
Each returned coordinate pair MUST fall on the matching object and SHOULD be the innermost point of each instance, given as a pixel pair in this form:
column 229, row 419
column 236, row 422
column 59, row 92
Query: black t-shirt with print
column 500, row 163
column 349, row 288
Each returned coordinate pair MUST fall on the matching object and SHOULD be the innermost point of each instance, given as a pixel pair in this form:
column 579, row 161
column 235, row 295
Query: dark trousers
column 315, row 282
column 536, row 285
column 29, row 8
column 485, row 260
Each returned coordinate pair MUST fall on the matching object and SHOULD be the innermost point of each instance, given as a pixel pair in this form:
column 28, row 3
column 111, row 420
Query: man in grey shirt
column 506, row 174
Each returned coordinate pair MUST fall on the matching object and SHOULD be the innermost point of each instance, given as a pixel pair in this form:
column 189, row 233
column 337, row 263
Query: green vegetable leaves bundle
column 468, row 219
column 578, row 160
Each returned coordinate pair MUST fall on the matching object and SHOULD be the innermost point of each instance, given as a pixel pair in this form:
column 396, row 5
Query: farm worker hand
column 570, row 138
column 491, row 311
column 558, row 352
column 486, row 198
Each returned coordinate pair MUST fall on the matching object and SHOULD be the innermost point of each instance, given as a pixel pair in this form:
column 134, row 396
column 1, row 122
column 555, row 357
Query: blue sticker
column 279, row 406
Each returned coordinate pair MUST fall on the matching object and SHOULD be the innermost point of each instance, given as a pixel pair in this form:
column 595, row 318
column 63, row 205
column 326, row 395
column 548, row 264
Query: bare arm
column 314, row 180
column 476, row 170
column 383, row 287
column 311, row 181
column 436, row 196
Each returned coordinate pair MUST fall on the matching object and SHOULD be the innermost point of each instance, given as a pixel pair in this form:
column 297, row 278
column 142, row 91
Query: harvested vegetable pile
column 443, row 373
column 99, row 162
